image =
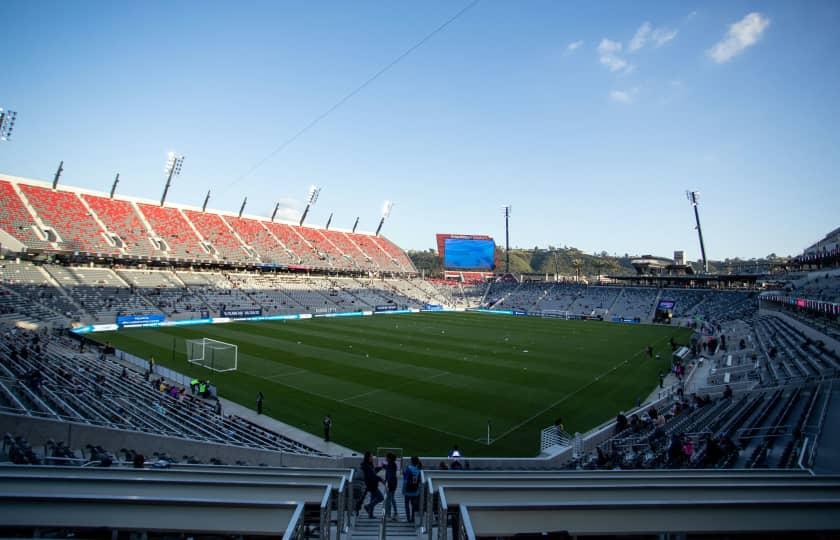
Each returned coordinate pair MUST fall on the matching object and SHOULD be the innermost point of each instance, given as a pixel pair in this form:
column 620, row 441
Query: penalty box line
column 372, row 411
column 573, row 393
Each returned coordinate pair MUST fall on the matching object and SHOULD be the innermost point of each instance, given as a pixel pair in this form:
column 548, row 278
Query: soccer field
column 424, row 382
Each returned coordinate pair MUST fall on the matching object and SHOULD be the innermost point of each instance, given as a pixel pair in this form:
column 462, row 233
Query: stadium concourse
column 736, row 438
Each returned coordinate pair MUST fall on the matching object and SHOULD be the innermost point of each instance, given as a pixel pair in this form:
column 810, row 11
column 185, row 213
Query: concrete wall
column 38, row 430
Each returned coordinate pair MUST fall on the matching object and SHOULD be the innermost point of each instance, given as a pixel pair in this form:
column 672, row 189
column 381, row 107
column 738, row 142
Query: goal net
column 212, row 354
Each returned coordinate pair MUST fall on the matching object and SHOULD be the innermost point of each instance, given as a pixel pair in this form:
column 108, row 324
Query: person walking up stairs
column 366, row 528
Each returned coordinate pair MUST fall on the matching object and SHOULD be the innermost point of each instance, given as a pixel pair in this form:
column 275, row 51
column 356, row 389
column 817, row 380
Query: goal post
column 213, row 354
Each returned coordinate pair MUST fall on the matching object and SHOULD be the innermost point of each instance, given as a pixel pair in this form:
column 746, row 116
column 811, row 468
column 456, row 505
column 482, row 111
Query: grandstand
column 78, row 223
column 754, row 389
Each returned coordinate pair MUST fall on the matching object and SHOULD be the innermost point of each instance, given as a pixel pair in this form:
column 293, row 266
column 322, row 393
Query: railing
column 383, row 529
column 820, row 423
column 554, row 436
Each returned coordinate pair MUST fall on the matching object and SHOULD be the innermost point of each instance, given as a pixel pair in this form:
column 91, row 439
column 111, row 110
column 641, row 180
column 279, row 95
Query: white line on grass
column 567, row 396
column 375, row 390
column 286, row 374
column 372, row 411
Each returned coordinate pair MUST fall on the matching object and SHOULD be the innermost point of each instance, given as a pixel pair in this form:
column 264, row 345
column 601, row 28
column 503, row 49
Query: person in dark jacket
column 391, row 487
column 411, row 487
column 371, row 480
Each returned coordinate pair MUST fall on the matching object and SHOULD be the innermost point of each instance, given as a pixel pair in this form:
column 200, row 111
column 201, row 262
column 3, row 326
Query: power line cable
column 318, row 119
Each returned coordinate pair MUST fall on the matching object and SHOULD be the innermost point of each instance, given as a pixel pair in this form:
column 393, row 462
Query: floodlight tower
column 329, row 221
column 114, row 185
column 356, row 224
column 173, row 168
column 242, row 208
column 507, row 209
column 7, row 123
column 206, row 200
column 274, row 214
column 57, row 176
column 694, row 198
column 386, row 211
column 311, row 199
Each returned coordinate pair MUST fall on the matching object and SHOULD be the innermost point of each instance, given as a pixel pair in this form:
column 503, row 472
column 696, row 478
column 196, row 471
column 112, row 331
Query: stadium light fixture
column 386, row 211
column 57, row 176
column 507, row 208
column 7, row 123
column 242, row 208
column 694, row 199
column 114, row 185
column 355, row 224
column 174, row 162
column 311, row 198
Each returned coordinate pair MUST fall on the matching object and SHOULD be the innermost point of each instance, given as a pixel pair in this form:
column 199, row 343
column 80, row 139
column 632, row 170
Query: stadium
column 175, row 370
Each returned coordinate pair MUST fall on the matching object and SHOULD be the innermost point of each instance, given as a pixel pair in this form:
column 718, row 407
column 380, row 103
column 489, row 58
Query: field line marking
column 372, row 411
column 573, row 393
column 286, row 374
column 375, row 390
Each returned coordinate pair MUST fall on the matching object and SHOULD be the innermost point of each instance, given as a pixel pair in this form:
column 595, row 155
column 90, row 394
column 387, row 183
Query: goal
column 212, row 354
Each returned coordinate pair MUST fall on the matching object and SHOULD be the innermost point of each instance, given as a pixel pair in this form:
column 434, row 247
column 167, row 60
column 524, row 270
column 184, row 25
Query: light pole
column 173, row 168
column 311, row 199
column 114, row 185
column 7, row 123
column 694, row 198
column 507, row 209
column 386, row 211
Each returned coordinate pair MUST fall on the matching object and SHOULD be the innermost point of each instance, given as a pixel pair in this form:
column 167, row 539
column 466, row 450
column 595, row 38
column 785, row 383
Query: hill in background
column 571, row 261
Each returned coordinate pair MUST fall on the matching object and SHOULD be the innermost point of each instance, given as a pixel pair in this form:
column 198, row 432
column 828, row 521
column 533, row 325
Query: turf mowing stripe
column 378, row 413
column 582, row 388
column 345, row 400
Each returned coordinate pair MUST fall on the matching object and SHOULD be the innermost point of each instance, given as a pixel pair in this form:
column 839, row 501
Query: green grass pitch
column 424, row 382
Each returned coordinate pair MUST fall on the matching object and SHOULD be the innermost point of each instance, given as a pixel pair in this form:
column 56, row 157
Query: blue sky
column 589, row 118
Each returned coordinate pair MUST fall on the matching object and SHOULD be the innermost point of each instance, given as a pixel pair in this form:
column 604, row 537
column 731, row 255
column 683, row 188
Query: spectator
column 391, row 486
column 559, row 427
column 411, row 487
column 727, row 392
column 259, row 402
column 327, row 427
column 620, row 423
column 371, row 480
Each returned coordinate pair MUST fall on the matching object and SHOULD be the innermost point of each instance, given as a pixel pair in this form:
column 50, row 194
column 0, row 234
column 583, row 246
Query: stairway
column 365, row 528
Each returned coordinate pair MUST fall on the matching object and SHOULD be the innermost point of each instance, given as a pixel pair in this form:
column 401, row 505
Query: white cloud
column 741, row 35
column 646, row 33
column 640, row 38
column 622, row 96
column 608, row 53
column 573, row 46
column 661, row 36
